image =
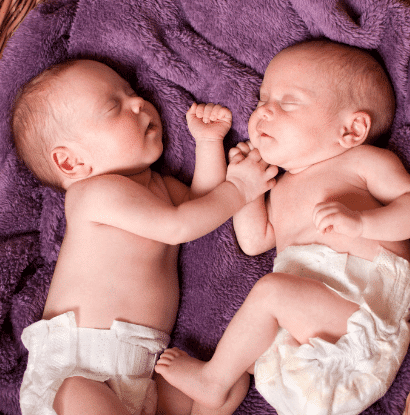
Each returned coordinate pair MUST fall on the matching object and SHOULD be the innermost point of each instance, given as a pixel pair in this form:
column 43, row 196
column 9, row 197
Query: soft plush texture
column 173, row 52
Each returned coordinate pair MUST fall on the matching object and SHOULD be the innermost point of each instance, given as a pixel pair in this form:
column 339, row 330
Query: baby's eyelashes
column 111, row 106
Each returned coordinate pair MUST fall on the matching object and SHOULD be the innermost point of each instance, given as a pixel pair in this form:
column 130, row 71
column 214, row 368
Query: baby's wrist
column 239, row 185
column 208, row 139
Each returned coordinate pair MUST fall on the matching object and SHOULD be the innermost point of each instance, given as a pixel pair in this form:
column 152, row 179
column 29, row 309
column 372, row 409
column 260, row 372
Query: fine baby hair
column 37, row 122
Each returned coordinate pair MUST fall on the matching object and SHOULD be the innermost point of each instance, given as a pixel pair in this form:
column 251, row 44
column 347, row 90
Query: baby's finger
column 244, row 147
column 324, row 218
column 322, row 208
column 233, row 152
column 271, row 183
column 207, row 113
column 222, row 114
column 192, row 111
column 238, row 157
column 272, row 171
column 325, row 225
column 200, row 111
column 214, row 114
column 263, row 163
column 250, row 145
column 255, row 155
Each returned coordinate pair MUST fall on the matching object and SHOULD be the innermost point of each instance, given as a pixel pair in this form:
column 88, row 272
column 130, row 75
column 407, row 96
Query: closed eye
column 113, row 105
column 288, row 105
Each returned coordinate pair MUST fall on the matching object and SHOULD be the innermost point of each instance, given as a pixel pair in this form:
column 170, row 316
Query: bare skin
column 336, row 191
column 118, row 260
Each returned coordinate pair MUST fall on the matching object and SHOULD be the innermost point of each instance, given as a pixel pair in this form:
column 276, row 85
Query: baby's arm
column 120, row 202
column 208, row 125
column 388, row 182
column 253, row 229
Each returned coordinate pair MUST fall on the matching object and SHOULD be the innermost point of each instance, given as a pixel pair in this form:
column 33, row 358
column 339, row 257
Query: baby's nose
column 137, row 104
column 265, row 111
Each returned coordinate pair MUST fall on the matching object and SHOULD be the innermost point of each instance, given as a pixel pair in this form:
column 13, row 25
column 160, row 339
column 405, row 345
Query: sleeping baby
column 114, row 295
column 326, row 332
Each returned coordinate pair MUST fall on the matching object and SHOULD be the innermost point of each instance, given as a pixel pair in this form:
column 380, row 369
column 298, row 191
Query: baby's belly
column 147, row 297
column 360, row 247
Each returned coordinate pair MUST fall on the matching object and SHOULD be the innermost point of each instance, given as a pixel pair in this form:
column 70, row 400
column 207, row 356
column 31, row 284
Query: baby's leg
column 304, row 307
column 172, row 401
column 235, row 397
column 78, row 396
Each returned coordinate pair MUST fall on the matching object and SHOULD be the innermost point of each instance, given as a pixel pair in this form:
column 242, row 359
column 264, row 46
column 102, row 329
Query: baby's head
column 79, row 119
column 320, row 98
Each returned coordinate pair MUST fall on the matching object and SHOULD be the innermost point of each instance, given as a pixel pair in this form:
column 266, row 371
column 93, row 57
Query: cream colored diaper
column 322, row 378
column 123, row 356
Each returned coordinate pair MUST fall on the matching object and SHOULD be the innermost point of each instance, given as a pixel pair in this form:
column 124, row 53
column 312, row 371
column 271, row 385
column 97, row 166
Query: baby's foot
column 187, row 374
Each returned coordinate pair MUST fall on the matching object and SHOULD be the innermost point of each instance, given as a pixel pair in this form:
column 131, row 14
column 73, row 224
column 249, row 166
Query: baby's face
column 118, row 130
column 294, row 125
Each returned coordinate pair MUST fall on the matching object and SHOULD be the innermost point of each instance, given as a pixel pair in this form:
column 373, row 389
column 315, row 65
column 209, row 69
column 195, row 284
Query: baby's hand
column 243, row 147
column 251, row 175
column 336, row 217
column 208, row 122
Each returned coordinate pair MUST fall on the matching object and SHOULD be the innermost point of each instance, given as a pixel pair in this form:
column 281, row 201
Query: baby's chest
column 294, row 197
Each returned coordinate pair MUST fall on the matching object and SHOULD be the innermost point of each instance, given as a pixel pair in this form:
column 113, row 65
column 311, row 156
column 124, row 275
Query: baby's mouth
column 264, row 135
column 261, row 133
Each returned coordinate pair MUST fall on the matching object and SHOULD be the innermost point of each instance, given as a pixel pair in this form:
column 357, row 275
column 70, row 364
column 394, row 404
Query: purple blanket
column 173, row 52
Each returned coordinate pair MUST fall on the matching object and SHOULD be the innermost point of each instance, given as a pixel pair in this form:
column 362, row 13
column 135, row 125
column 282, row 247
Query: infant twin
column 324, row 333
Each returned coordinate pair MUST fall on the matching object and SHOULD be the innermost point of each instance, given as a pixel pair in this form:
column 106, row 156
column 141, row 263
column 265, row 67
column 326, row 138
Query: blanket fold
column 174, row 52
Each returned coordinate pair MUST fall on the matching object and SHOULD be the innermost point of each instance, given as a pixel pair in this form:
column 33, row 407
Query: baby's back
column 295, row 196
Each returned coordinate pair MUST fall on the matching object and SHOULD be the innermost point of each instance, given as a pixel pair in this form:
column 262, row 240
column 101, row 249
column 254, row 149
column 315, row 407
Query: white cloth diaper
column 123, row 356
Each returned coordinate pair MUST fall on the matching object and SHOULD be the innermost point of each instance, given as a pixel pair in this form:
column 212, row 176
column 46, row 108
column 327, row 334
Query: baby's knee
column 71, row 387
column 269, row 284
column 79, row 395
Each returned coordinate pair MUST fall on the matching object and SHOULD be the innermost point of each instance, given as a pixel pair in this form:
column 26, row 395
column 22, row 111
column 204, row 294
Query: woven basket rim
column 12, row 13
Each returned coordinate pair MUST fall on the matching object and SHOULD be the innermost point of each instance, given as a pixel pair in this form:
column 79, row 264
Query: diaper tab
column 125, row 349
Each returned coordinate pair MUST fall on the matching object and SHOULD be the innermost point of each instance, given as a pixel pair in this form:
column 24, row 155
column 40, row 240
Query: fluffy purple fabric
column 173, row 52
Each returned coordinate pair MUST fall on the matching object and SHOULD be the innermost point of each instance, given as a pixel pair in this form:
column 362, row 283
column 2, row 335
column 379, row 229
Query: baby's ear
column 356, row 129
column 69, row 164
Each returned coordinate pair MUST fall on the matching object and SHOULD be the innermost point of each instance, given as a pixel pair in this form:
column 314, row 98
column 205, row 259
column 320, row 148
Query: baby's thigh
column 307, row 308
column 171, row 401
column 78, row 395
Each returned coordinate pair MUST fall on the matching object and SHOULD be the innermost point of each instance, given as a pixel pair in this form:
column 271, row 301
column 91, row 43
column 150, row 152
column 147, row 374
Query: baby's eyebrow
column 307, row 91
column 296, row 89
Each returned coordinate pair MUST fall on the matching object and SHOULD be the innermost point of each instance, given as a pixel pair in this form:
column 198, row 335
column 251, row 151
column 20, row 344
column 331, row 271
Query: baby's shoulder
column 91, row 187
column 368, row 156
column 96, row 193
column 369, row 152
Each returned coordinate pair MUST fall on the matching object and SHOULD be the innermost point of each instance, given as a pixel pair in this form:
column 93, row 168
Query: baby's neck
column 143, row 178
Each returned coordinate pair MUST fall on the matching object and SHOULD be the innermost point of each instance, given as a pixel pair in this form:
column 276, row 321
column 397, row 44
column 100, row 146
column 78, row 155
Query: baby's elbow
column 250, row 252
column 179, row 234
column 257, row 245
column 250, row 249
